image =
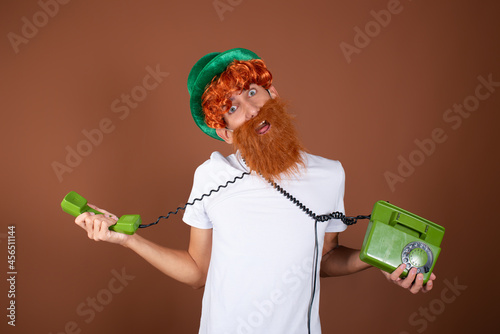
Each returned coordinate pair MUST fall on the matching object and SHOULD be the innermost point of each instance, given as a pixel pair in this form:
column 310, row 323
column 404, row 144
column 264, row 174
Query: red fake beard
column 269, row 143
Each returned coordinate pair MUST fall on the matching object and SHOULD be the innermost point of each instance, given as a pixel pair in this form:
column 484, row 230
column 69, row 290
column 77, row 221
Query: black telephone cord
column 321, row 218
column 317, row 218
column 196, row 200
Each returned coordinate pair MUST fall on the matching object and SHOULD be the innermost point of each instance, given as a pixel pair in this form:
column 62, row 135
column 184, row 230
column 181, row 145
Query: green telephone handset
column 75, row 204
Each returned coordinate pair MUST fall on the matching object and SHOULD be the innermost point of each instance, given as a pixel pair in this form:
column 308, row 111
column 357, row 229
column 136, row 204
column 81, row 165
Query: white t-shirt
column 260, row 274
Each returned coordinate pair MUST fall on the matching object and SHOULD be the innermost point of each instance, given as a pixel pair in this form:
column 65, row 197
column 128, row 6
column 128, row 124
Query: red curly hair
column 237, row 77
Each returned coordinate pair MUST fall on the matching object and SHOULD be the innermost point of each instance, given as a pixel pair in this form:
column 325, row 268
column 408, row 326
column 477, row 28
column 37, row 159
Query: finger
column 101, row 227
column 408, row 281
column 80, row 219
column 95, row 207
column 433, row 277
column 97, row 228
column 417, row 285
column 104, row 212
column 89, row 225
column 395, row 275
column 93, row 224
column 428, row 286
column 104, row 232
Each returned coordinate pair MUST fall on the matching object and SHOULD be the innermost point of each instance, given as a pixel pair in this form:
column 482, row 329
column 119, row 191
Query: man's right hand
column 186, row 266
column 97, row 226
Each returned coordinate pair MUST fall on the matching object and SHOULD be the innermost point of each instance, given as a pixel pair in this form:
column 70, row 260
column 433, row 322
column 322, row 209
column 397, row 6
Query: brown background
column 364, row 113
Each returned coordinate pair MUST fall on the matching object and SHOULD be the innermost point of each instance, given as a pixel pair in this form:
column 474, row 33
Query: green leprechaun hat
column 202, row 73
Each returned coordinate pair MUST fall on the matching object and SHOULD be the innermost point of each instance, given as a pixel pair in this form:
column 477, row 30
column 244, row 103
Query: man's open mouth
column 263, row 128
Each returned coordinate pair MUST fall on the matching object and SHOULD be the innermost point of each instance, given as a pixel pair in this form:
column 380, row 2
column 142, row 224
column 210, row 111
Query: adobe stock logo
column 121, row 106
column 222, row 6
column 262, row 311
column 89, row 308
column 30, row 28
column 427, row 146
column 363, row 37
column 427, row 314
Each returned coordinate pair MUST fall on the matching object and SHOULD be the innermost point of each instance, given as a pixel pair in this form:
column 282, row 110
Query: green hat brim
column 202, row 73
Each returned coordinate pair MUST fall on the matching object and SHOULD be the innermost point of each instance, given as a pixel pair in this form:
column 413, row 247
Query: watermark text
column 453, row 117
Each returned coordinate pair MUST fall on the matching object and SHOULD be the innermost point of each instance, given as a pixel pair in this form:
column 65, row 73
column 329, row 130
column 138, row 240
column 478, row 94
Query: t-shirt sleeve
column 195, row 214
column 336, row 225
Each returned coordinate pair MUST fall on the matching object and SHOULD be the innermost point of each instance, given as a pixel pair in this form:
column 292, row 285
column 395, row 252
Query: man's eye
column 252, row 92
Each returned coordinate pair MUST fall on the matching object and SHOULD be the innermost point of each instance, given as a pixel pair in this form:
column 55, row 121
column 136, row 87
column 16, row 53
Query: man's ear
column 273, row 92
column 225, row 134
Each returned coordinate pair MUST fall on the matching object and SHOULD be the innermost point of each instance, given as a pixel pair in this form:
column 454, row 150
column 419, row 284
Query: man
column 255, row 241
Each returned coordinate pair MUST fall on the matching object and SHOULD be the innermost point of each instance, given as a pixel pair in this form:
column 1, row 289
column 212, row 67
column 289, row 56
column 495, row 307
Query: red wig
column 237, row 77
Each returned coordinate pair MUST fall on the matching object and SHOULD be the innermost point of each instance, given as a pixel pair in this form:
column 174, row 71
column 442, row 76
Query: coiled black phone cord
column 317, row 218
column 321, row 218
column 196, row 199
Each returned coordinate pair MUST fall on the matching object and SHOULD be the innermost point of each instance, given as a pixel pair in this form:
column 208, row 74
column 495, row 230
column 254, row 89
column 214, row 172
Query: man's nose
column 251, row 110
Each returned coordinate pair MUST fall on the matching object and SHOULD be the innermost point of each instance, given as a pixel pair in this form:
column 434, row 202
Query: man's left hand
column 415, row 285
